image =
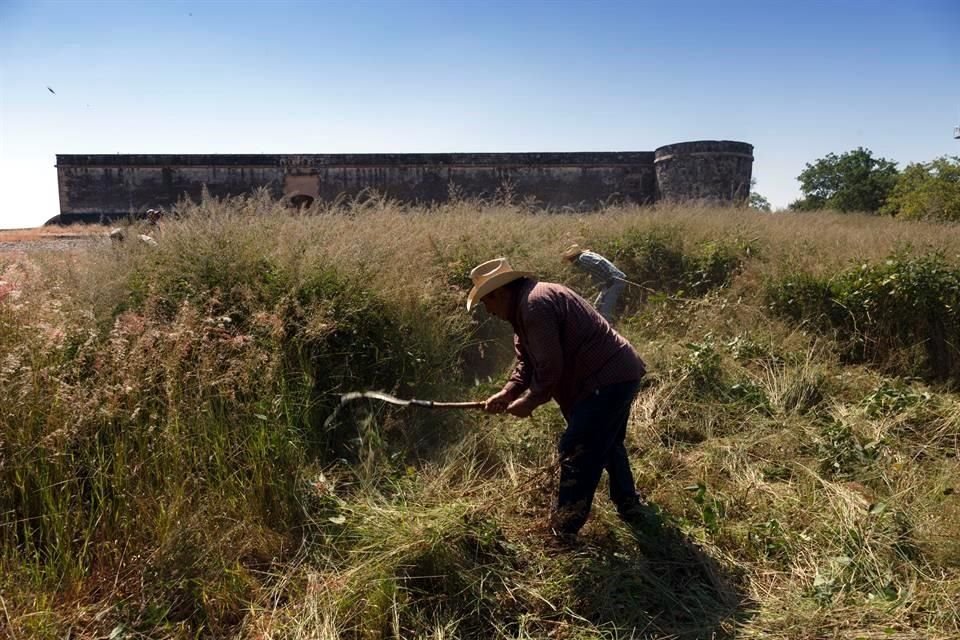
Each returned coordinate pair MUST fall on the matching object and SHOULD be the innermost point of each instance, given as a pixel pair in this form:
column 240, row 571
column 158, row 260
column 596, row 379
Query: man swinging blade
column 566, row 351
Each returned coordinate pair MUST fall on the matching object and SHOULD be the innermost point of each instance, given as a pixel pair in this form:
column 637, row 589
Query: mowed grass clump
column 174, row 463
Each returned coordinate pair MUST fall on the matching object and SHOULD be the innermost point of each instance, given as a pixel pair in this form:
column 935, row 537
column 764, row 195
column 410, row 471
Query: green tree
column 927, row 190
column 852, row 181
column 757, row 201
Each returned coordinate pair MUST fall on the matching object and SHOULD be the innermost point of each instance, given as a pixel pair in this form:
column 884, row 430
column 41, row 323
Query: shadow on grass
column 658, row 583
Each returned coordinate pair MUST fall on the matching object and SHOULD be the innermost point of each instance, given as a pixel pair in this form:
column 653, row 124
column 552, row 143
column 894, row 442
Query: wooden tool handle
column 447, row 405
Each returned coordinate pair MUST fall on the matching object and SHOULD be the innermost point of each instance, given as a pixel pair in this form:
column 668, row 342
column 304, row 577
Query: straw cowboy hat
column 491, row 275
column 572, row 252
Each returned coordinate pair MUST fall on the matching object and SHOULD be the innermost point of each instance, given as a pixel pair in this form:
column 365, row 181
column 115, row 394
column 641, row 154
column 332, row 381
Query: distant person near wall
column 603, row 273
column 154, row 216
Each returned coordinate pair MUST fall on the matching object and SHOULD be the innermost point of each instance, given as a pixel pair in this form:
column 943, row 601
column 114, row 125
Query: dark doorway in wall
column 301, row 201
column 301, row 191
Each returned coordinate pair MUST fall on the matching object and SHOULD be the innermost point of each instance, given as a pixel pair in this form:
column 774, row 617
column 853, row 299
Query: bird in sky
column 51, row 91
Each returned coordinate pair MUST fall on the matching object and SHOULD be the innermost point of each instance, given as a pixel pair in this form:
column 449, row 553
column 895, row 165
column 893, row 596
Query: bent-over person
column 604, row 274
column 567, row 352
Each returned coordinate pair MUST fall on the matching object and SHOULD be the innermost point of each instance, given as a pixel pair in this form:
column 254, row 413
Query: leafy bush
column 660, row 260
column 703, row 366
column 711, row 510
column 901, row 313
column 890, row 398
column 841, row 453
column 927, row 190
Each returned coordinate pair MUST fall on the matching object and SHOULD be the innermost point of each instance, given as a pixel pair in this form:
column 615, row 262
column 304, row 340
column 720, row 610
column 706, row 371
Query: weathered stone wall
column 715, row 171
column 88, row 193
column 96, row 187
column 551, row 179
column 93, row 187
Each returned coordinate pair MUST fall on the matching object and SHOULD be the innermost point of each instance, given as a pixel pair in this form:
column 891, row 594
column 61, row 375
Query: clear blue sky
column 797, row 80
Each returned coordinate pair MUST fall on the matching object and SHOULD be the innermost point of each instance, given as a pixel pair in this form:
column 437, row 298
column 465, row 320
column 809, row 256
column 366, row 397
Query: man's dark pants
column 593, row 441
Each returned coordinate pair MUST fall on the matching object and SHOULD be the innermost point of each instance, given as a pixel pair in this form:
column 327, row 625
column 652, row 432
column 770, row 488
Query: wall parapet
column 555, row 158
column 705, row 147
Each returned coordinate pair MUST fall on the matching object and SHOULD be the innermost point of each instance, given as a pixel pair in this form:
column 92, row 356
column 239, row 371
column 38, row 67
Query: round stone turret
column 714, row 171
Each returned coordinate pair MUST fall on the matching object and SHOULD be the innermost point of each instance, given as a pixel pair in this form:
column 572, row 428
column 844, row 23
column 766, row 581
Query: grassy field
column 173, row 463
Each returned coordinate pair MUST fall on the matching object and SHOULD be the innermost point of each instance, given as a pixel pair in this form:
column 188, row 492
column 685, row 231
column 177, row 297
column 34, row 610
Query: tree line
column 858, row 181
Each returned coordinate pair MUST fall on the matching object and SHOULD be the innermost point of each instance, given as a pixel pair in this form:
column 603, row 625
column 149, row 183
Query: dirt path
column 51, row 238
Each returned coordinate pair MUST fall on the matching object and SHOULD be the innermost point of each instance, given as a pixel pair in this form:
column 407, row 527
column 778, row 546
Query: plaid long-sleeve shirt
column 565, row 349
column 601, row 270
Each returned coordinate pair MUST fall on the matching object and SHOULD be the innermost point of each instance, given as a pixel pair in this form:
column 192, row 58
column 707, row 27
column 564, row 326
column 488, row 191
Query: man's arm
column 516, row 384
column 522, row 373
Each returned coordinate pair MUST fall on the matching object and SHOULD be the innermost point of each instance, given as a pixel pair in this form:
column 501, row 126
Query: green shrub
column 711, row 510
column 902, row 313
column 841, row 453
column 703, row 367
column 893, row 397
column 653, row 258
column 928, row 190
column 661, row 260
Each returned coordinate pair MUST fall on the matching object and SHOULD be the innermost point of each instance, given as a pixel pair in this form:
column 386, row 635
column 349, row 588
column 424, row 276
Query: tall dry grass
column 173, row 462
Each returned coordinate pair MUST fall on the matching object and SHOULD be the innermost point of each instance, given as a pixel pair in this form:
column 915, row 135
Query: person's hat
column 491, row 275
column 572, row 252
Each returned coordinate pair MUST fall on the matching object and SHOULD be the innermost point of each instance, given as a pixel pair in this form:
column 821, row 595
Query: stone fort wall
column 105, row 187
